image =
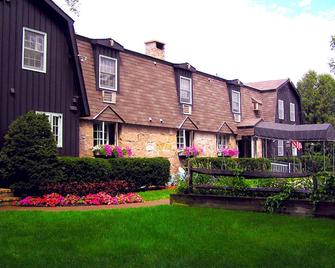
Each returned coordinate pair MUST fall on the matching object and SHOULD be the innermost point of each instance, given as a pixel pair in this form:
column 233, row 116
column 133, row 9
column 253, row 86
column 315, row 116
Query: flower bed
column 56, row 200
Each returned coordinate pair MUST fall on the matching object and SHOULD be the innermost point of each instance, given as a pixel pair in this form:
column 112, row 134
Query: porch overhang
column 306, row 132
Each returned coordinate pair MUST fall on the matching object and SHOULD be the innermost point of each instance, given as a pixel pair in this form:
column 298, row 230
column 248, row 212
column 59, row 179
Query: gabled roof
column 188, row 124
column 74, row 52
column 225, row 128
column 108, row 114
column 268, row 85
column 249, row 123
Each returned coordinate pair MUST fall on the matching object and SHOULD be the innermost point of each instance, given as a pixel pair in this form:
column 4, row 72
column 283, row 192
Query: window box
column 190, row 151
column 110, row 151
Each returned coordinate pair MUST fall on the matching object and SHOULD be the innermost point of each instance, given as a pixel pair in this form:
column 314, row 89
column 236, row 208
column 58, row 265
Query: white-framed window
column 294, row 151
column 184, row 138
column 281, row 109
column 292, row 112
column 34, row 50
column 236, row 101
column 222, row 140
column 185, row 90
column 107, row 73
column 105, row 133
column 280, row 148
column 56, row 123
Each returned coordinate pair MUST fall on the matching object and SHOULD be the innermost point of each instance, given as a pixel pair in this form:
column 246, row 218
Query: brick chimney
column 155, row 49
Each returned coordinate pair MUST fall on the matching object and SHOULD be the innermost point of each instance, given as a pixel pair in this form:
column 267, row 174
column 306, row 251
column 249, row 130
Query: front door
column 244, row 146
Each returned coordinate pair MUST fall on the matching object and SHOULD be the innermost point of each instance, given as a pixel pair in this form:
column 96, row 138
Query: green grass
column 164, row 236
column 156, row 194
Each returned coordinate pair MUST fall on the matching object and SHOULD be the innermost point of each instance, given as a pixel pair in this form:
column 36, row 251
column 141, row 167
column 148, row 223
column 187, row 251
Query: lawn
column 164, row 236
column 156, row 194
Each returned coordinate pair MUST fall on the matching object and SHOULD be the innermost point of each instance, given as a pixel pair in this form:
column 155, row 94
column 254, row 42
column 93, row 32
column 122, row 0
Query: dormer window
column 107, row 73
column 236, row 102
column 185, row 90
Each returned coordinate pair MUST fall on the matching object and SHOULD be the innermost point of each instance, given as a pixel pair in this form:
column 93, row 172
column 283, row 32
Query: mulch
column 82, row 208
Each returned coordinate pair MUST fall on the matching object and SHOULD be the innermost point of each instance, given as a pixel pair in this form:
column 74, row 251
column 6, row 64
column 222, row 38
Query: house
column 40, row 69
column 276, row 101
column 95, row 91
column 152, row 105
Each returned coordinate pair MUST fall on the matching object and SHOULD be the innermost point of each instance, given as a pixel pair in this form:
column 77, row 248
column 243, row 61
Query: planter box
column 292, row 207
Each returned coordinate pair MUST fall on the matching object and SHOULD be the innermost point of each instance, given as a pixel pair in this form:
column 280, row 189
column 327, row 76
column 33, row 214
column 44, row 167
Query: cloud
column 305, row 3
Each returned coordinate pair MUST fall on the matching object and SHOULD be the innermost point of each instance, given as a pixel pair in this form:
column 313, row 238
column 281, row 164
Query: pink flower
column 108, row 150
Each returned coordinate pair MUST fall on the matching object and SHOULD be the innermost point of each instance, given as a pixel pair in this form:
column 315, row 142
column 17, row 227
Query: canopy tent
column 307, row 132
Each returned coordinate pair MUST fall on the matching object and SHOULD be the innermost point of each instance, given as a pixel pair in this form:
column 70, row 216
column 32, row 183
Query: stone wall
column 207, row 141
column 151, row 142
column 85, row 138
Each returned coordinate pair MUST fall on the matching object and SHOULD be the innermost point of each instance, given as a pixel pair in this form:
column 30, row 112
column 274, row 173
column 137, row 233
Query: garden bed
column 292, row 207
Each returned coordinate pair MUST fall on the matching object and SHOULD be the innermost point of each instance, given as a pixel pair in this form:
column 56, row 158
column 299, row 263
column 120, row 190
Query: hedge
column 142, row 172
column 240, row 164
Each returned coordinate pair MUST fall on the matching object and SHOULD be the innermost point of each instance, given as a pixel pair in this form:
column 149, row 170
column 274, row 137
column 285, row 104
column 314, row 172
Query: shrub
column 84, row 188
column 29, row 153
column 84, row 169
column 139, row 172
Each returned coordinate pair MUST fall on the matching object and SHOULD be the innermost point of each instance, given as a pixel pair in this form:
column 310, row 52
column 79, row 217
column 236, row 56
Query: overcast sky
column 250, row 40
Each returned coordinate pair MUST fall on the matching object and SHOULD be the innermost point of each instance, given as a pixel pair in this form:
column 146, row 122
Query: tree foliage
column 318, row 97
column 332, row 61
column 74, row 6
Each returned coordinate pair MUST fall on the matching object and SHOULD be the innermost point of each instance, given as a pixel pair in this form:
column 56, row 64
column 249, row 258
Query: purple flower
column 129, row 151
column 118, row 150
column 108, row 150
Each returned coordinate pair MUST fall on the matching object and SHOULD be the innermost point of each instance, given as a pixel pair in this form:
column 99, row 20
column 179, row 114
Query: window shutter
column 292, row 112
column 281, row 109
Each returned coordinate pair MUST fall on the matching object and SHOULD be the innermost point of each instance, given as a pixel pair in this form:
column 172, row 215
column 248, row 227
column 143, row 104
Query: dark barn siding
column 288, row 95
column 52, row 91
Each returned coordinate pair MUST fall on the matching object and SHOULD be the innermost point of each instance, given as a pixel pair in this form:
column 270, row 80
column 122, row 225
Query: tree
column 74, row 6
column 318, row 97
column 29, row 154
column 332, row 61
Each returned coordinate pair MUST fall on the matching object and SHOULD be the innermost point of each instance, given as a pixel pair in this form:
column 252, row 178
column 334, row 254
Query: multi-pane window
column 292, row 112
column 280, row 148
column 184, row 138
column 185, row 90
column 56, row 123
column 107, row 73
column 34, row 50
column 104, row 133
column 222, row 140
column 281, row 109
column 236, row 101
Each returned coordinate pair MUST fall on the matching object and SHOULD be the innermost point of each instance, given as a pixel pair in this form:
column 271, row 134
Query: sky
column 252, row 40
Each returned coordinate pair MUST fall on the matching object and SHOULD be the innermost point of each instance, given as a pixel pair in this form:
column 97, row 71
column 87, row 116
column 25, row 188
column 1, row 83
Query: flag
column 297, row 145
